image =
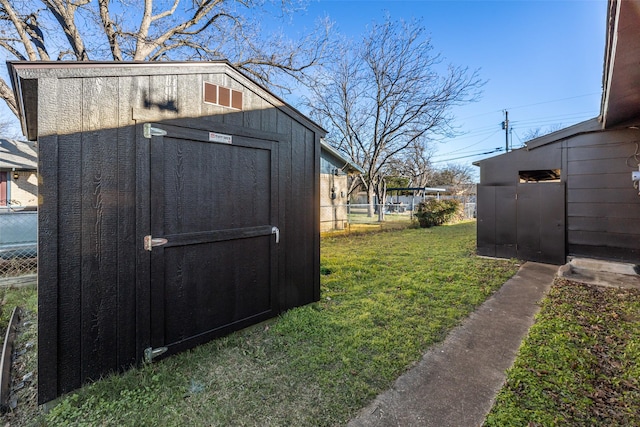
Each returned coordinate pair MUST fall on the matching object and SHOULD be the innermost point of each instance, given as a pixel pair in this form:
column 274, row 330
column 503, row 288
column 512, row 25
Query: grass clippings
column 385, row 298
column 579, row 365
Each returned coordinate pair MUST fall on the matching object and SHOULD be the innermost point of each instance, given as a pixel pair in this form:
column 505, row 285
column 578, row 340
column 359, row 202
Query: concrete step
column 601, row 272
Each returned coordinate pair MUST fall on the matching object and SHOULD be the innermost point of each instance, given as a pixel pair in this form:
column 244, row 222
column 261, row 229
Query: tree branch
column 21, row 29
column 66, row 18
column 15, row 52
column 7, row 94
column 110, row 30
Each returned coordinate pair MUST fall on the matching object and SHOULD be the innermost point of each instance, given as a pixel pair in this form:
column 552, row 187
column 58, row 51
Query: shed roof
column 19, row 155
column 591, row 125
column 25, row 76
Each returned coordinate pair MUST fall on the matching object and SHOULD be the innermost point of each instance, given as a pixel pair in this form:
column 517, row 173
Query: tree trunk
column 382, row 199
column 370, row 201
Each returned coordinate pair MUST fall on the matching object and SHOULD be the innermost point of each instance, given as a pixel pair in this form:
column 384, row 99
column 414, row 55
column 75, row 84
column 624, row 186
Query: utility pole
column 505, row 126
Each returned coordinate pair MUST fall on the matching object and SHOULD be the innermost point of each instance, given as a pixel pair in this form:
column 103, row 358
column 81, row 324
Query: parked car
column 18, row 233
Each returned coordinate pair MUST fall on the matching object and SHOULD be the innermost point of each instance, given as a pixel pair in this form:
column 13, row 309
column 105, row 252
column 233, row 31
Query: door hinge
column 150, row 242
column 148, row 131
column 275, row 230
column 152, row 353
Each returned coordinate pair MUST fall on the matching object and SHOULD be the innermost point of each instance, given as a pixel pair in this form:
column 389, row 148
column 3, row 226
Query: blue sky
column 542, row 59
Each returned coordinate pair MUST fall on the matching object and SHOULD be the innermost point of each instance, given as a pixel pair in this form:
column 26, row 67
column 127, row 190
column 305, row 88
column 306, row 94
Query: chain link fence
column 18, row 243
column 343, row 217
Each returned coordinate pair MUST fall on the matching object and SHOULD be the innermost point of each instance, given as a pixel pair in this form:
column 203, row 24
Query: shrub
column 434, row 212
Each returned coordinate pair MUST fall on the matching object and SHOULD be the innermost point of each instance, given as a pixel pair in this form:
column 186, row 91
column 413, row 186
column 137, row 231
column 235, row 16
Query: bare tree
column 458, row 177
column 386, row 94
column 153, row 30
column 534, row 133
column 7, row 130
column 413, row 163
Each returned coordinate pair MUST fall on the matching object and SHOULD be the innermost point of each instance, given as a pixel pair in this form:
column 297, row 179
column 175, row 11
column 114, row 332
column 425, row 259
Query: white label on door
column 220, row 137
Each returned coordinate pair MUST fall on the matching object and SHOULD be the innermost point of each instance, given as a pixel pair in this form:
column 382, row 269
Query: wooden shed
column 178, row 202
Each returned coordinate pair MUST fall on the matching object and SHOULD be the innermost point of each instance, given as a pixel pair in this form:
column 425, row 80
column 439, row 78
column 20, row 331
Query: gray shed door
column 541, row 222
column 214, row 200
column 526, row 221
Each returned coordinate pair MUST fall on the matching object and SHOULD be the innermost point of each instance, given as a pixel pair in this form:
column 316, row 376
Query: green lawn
column 386, row 297
column 10, row 298
column 579, row 365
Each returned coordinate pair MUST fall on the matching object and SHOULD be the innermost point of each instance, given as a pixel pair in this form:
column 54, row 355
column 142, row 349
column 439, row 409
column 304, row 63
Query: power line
column 555, row 100
column 495, row 150
column 468, row 146
column 508, row 126
column 539, row 121
column 471, row 152
column 531, row 105
column 558, row 118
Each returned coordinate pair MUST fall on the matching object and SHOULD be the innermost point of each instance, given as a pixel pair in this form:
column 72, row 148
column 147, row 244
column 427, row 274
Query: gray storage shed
column 574, row 192
column 178, row 202
column 569, row 193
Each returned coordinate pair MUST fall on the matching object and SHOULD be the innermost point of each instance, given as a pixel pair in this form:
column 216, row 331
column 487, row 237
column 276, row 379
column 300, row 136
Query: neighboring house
column 18, row 178
column 571, row 193
column 335, row 171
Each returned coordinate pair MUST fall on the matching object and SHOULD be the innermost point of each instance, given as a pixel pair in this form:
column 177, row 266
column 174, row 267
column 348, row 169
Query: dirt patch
column 23, row 397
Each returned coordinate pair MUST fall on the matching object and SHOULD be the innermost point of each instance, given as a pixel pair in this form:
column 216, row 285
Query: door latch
column 275, row 230
column 152, row 353
column 150, row 242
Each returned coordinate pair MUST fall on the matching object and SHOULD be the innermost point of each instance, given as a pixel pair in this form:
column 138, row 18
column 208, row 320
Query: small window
column 545, row 175
column 220, row 95
column 224, row 96
column 236, row 100
column 210, row 93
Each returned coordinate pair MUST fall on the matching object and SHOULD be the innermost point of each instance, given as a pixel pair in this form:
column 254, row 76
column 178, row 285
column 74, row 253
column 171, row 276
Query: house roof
column 349, row 165
column 19, row 155
column 591, row 125
column 621, row 76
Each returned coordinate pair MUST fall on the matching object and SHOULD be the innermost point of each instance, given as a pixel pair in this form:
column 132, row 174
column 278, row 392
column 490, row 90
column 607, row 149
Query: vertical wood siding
column 50, row 364
column 95, row 208
column 70, row 235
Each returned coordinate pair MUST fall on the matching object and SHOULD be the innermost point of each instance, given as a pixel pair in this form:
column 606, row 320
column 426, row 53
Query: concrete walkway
column 456, row 382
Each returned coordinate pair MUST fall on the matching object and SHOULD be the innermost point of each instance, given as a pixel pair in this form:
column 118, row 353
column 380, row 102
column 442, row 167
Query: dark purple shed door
column 214, row 201
column 526, row 221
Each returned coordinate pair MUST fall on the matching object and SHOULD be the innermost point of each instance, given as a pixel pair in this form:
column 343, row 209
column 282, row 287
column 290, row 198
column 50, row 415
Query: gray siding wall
column 504, row 170
column 603, row 208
